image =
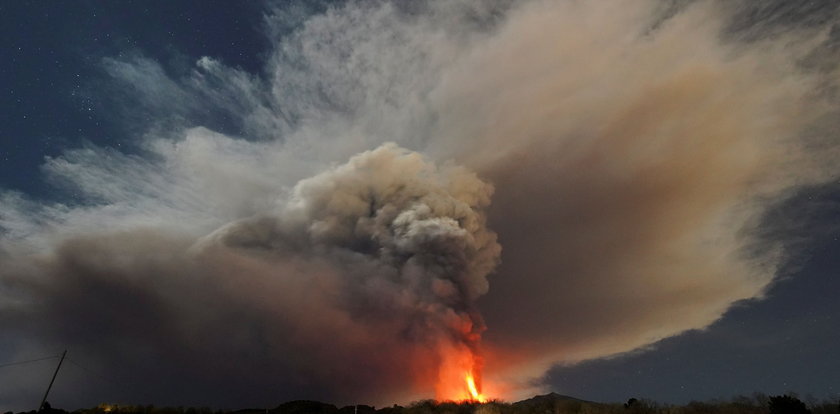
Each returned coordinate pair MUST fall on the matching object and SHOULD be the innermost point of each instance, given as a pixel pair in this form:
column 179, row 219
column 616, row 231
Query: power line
column 49, row 387
column 91, row 372
column 9, row 364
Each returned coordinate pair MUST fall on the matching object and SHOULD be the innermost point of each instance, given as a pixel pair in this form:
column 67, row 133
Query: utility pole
column 63, row 354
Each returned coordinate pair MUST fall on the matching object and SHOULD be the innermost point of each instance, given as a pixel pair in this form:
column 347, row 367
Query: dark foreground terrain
column 543, row 404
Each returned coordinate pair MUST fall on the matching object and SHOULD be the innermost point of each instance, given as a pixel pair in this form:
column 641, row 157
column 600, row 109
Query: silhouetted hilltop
column 550, row 398
column 552, row 403
column 358, row 409
column 304, row 407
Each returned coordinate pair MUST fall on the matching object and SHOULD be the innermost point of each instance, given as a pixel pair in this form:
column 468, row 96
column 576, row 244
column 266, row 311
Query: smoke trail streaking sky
column 580, row 179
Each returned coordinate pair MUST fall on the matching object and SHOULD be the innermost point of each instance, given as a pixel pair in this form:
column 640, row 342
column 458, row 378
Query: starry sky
column 52, row 63
column 63, row 71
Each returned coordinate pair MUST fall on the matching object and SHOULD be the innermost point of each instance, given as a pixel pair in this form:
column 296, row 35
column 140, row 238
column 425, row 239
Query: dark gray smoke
column 364, row 276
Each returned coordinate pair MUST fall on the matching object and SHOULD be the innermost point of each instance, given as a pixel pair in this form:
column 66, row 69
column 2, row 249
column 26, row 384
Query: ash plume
column 624, row 152
column 368, row 269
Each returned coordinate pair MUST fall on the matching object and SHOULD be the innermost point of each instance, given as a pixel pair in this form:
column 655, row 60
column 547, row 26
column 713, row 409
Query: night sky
column 109, row 78
column 52, row 69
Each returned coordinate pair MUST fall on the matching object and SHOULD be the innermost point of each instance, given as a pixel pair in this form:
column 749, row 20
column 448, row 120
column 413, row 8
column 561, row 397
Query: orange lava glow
column 459, row 377
column 475, row 395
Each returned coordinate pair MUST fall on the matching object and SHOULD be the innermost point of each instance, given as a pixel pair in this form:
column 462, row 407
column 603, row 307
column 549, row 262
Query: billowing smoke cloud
column 407, row 249
column 365, row 275
column 624, row 154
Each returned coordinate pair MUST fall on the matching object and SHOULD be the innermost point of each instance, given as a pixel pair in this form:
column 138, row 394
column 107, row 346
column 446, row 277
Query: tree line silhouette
column 544, row 404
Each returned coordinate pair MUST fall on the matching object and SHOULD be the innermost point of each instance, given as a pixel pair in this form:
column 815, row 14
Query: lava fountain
column 459, row 376
column 475, row 394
